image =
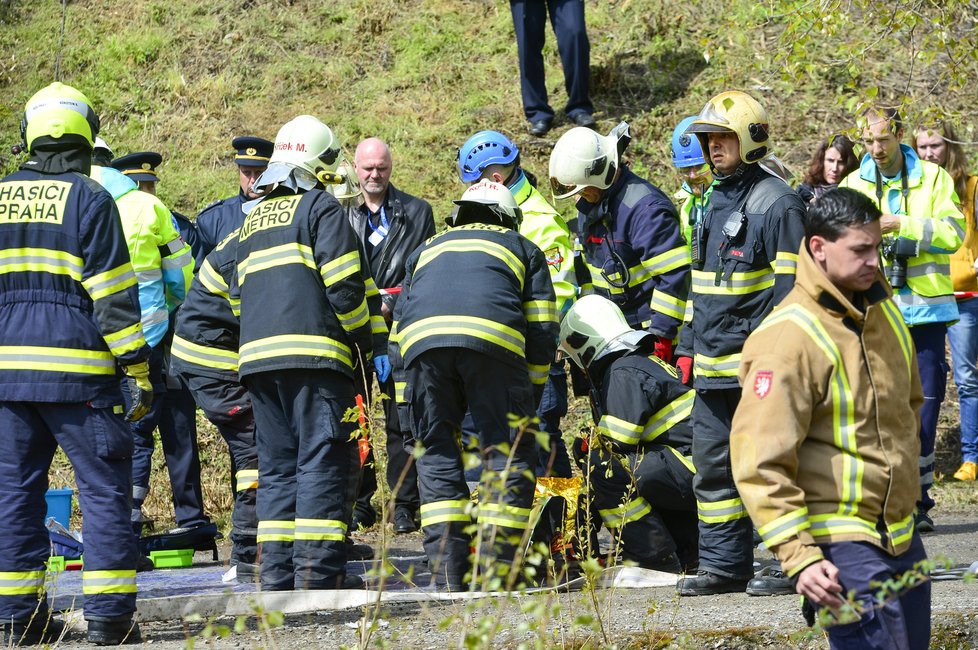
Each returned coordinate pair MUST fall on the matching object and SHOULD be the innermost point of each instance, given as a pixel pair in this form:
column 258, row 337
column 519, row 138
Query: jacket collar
column 911, row 166
column 521, row 187
column 54, row 158
column 813, row 281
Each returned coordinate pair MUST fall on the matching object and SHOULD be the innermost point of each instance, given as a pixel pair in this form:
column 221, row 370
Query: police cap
column 252, row 151
column 139, row 166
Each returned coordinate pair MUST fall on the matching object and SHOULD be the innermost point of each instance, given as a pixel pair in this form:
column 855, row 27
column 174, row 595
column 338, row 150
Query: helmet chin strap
column 725, row 178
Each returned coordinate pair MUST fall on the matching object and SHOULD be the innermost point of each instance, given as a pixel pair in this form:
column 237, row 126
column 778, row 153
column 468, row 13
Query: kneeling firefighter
column 639, row 465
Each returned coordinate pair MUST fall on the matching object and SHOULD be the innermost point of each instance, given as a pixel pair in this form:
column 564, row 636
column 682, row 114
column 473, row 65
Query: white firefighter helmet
column 487, row 202
column 589, row 326
column 306, row 154
column 583, row 158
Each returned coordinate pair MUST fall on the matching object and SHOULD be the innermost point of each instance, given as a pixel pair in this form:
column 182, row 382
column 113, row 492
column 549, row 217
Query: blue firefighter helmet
column 483, row 149
column 686, row 150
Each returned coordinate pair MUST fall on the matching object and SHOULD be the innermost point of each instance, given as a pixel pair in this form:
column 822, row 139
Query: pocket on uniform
column 405, row 409
column 113, row 437
column 331, row 413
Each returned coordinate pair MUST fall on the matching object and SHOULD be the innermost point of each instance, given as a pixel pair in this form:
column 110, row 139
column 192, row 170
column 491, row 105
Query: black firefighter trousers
column 307, row 472
column 441, row 383
column 228, row 406
column 726, row 542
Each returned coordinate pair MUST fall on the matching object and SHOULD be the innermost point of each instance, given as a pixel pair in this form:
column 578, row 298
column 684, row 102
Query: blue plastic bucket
column 59, row 505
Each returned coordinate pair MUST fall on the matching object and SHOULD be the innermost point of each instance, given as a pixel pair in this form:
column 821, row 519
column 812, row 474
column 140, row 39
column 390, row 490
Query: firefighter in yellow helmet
column 69, row 323
column 745, row 251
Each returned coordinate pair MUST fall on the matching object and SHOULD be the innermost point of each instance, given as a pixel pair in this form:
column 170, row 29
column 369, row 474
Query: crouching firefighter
column 205, row 354
column 69, row 317
column 639, row 465
column 476, row 327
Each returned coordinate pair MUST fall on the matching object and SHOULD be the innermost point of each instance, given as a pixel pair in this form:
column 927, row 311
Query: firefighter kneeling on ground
column 638, row 465
column 475, row 327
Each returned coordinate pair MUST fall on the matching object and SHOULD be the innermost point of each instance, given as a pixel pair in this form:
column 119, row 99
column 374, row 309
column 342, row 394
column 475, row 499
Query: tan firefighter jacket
column 824, row 444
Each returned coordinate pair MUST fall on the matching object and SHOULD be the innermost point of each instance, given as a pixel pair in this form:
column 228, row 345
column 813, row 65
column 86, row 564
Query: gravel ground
column 653, row 617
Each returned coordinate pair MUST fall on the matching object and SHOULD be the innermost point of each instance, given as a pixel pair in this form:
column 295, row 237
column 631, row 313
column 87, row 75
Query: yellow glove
column 140, row 390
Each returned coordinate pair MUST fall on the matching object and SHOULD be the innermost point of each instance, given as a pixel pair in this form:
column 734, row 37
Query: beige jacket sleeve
column 782, row 384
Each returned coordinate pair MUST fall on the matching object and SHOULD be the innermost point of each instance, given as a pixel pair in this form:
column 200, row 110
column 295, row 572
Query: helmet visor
column 561, row 191
column 708, row 120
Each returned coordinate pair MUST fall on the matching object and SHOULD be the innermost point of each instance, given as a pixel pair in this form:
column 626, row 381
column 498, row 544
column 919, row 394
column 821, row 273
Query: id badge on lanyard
column 380, row 231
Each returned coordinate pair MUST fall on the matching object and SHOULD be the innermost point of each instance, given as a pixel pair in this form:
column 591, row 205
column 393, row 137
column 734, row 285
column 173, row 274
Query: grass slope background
column 183, row 77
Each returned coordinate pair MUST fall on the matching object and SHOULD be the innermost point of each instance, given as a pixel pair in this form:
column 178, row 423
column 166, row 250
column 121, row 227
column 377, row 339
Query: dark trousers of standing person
column 178, row 434
column 98, row 444
column 307, row 473
column 530, row 23
column 440, row 384
column 646, row 497
column 402, row 473
column 928, row 340
column 142, row 435
column 901, row 623
column 227, row 406
column 553, row 461
column 726, row 547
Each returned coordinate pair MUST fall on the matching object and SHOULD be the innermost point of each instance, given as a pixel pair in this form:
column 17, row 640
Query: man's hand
column 386, row 312
column 140, row 390
column 889, row 223
column 819, row 583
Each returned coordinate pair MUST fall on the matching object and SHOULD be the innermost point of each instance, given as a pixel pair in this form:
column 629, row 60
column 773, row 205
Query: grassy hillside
column 183, row 77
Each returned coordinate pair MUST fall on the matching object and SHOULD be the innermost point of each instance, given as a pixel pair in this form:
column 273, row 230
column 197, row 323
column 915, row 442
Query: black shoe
column 342, row 581
column 705, row 583
column 923, row 523
column 113, row 632
column 770, row 581
column 144, row 564
column 35, row 631
column 583, row 118
column 246, row 572
column 404, row 521
column 363, row 519
column 541, row 127
column 358, row 552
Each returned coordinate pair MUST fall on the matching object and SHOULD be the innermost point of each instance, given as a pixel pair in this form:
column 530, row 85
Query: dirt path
column 650, row 617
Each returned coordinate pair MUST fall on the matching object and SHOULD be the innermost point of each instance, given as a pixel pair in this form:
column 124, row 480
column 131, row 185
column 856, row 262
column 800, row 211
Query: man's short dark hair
column 838, row 210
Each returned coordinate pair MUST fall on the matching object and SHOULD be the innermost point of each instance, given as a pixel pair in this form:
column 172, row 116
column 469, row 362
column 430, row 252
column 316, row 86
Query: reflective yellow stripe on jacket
column 26, row 357
column 661, row 421
column 844, row 424
column 285, row 345
column 480, row 328
column 734, row 284
column 290, row 253
column 204, row 356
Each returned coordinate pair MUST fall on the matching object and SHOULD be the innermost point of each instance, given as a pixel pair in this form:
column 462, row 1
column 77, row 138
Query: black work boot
column 35, row 631
column 113, row 632
column 705, row 583
column 770, row 581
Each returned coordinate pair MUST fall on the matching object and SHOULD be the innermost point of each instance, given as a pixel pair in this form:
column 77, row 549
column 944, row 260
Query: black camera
column 898, row 252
